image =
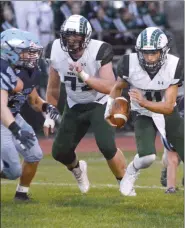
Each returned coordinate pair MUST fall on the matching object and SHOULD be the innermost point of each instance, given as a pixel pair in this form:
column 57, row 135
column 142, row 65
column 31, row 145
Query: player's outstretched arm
column 116, row 91
column 52, row 97
column 52, row 114
column 103, row 84
column 36, row 101
column 38, row 104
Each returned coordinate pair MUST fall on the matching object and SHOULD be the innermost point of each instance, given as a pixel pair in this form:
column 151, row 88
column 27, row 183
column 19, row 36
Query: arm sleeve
column 105, row 54
column 179, row 74
column 123, row 67
column 8, row 78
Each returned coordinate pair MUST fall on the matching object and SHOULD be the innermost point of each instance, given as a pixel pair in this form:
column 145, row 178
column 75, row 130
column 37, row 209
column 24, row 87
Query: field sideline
column 57, row 202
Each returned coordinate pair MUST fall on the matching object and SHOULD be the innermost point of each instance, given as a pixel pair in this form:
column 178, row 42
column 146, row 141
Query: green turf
column 59, row 205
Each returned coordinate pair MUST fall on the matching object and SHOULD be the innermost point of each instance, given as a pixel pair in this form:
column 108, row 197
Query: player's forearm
column 118, row 88
column 158, row 107
column 6, row 116
column 116, row 92
column 100, row 85
column 52, row 96
column 37, row 105
column 53, row 87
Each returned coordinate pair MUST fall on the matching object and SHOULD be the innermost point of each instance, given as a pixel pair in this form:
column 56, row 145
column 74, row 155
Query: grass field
column 57, row 202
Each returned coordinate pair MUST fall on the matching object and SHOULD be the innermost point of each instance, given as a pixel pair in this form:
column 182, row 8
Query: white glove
column 108, row 109
column 49, row 124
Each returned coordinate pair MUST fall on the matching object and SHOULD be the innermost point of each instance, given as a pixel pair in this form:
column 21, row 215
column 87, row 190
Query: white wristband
column 84, row 76
column 110, row 102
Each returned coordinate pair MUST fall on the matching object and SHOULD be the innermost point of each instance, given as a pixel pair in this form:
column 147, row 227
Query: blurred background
column 116, row 22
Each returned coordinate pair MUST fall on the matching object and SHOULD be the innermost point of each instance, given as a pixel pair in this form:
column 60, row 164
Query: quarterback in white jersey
column 153, row 76
column 84, row 65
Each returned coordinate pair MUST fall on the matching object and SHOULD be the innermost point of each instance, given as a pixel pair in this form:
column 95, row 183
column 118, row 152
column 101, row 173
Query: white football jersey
column 95, row 55
column 152, row 88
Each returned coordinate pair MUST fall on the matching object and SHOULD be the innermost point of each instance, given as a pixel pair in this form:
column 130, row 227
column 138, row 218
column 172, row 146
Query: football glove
column 51, row 111
column 50, row 123
column 25, row 138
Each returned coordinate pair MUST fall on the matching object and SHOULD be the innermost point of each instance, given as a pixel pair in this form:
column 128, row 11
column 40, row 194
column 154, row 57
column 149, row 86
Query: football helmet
column 20, row 48
column 75, row 25
column 150, row 40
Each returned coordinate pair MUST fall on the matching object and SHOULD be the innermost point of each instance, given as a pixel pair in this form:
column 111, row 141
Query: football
column 120, row 112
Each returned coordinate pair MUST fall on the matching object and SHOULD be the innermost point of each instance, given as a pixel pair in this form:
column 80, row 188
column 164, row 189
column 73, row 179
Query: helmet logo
column 154, row 37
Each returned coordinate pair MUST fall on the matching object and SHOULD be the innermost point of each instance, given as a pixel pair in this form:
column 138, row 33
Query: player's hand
column 49, row 125
column 137, row 96
column 78, row 70
column 76, row 67
column 25, row 138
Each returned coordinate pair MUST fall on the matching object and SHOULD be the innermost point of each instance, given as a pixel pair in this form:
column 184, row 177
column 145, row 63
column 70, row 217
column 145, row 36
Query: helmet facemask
column 30, row 57
column 152, row 68
column 75, row 46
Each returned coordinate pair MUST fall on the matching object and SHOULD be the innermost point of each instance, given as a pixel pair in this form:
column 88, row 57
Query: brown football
column 120, row 112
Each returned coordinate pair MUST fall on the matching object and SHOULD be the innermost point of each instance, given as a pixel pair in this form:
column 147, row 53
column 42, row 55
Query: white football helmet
column 75, row 25
column 150, row 40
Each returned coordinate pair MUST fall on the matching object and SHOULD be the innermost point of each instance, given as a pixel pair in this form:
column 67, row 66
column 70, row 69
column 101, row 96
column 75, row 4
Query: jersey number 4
column 156, row 96
column 73, row 83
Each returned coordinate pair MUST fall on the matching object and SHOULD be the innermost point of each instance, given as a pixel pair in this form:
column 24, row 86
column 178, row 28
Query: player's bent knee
column 65, row 158
column 14, row 173
column 36, row 157
column 144, row 162
column 108, row 152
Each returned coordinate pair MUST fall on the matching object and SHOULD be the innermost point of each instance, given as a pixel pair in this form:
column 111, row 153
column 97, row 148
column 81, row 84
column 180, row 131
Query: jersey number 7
column 73, row 83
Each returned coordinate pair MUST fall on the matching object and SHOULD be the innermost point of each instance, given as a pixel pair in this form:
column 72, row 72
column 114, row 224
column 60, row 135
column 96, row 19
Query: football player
column 154, row 77
column 20, row 53
column 85, row 66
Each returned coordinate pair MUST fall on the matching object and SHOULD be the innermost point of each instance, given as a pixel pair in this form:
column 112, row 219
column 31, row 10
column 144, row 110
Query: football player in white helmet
column 154, row 77
column 84, row 65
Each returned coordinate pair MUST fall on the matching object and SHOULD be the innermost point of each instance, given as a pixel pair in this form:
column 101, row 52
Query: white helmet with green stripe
column 75, row 25
column 150, row 40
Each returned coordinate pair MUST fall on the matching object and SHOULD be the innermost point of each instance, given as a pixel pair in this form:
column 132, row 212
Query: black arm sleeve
column 179, row 73
column 105, row 54
column 123, row 67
